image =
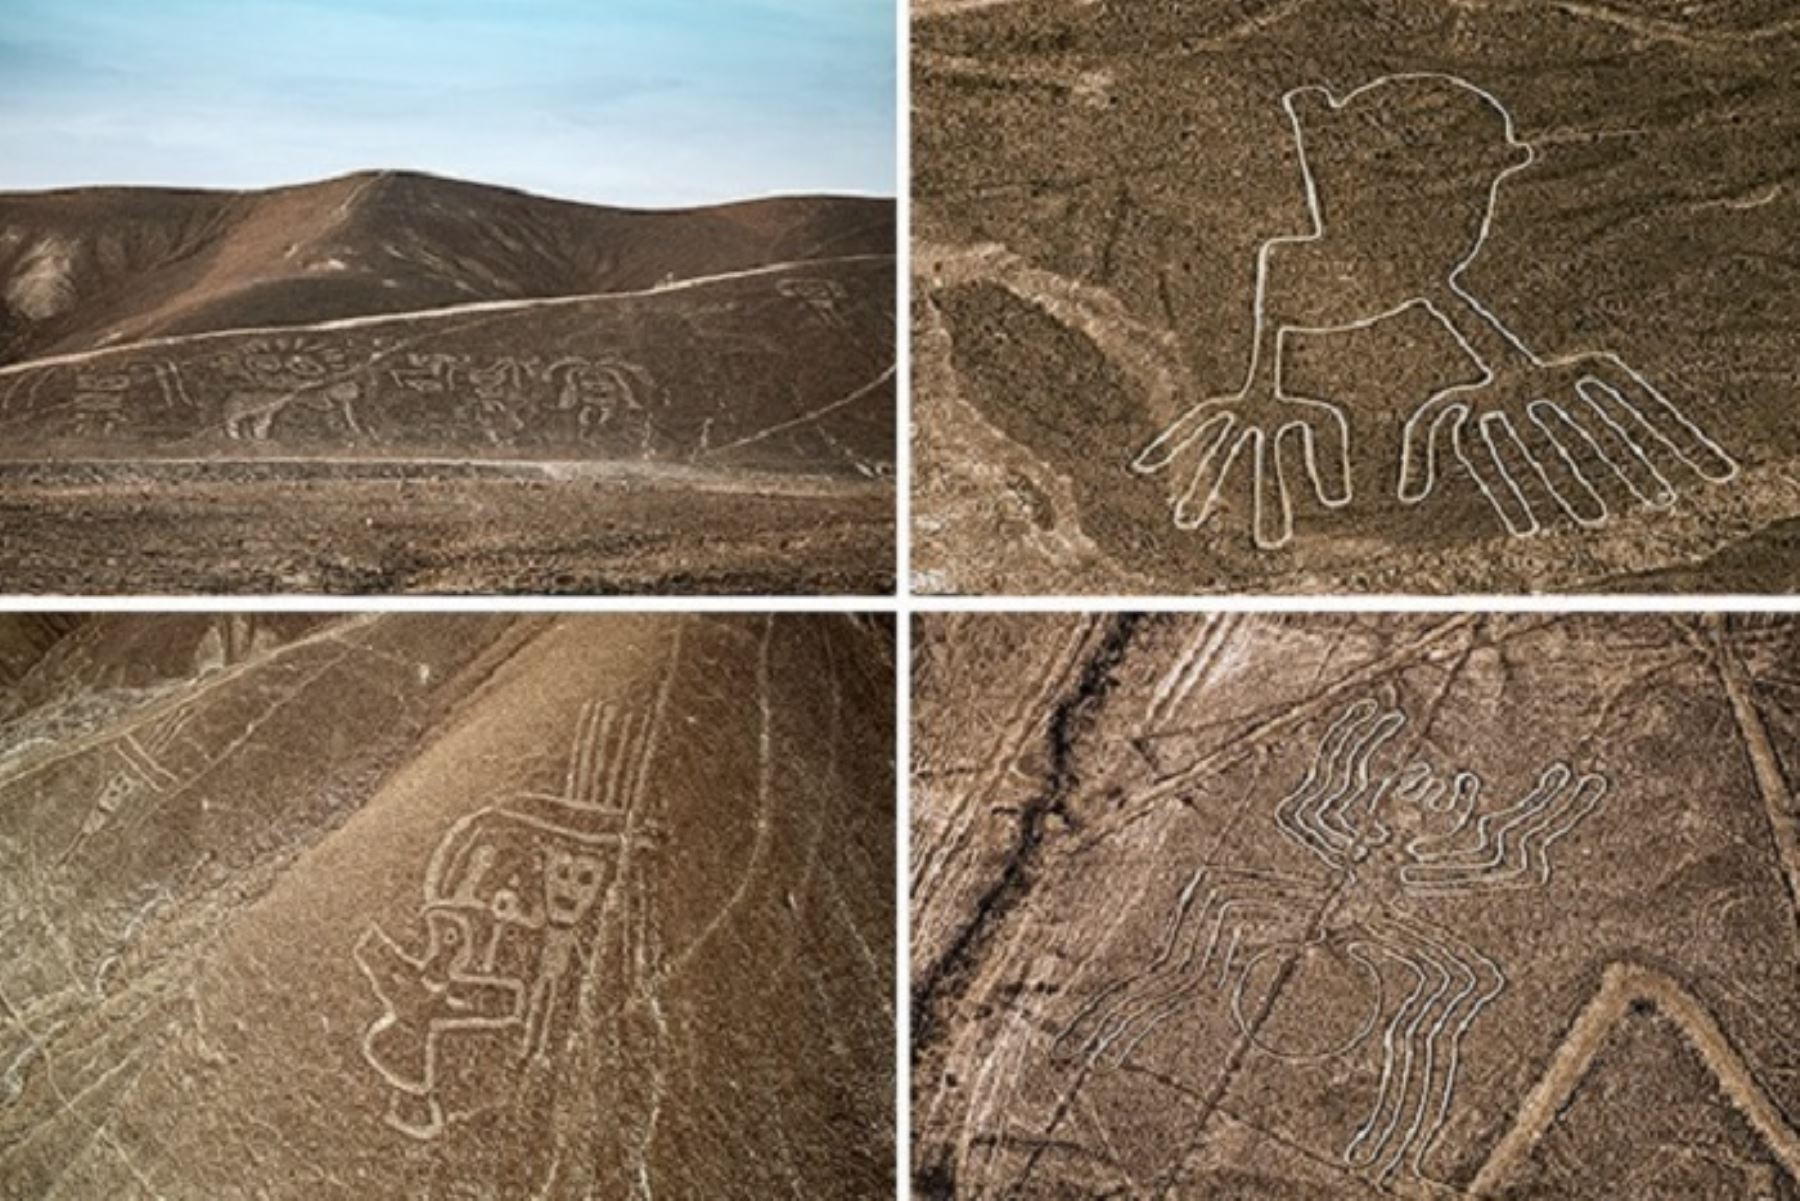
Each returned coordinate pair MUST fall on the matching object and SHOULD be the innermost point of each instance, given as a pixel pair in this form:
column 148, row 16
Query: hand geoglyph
column 1537, row 436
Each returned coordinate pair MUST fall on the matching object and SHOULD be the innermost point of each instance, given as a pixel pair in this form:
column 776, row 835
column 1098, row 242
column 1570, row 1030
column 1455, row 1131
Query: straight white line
column 808, row 416
column 481, row 306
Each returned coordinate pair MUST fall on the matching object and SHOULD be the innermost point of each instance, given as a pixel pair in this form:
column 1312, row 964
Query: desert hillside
column 91, row 267
column 393, row 315
column 391, row 381
column 448, row 906
column 786, row 367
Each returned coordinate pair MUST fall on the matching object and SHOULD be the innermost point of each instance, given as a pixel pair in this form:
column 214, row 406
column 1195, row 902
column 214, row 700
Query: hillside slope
column 90, row 267
column 450, row 906
column 394, row 382
column 784, row 368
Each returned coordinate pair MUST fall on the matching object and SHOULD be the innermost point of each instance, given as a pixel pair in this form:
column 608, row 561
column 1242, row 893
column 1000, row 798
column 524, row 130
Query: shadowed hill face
column 391, row 381
column 452, row 907
column 92, row 267
column 787, row 369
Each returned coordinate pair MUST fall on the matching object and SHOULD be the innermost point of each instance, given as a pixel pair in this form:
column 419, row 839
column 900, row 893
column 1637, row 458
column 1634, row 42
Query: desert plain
column 1339, row 906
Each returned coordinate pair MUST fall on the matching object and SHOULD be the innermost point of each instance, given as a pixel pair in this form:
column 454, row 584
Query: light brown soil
column 1356, row 906
column 449, row 907
column 1094, row 184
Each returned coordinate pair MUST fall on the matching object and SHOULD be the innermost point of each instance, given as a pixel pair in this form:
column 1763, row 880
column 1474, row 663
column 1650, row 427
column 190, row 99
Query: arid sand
column 1329, row 296
column 1426, row 906
column 446, row 907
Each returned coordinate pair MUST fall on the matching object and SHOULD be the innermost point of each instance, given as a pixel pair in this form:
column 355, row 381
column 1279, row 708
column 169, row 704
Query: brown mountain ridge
column 89, row 267
column 391, row 381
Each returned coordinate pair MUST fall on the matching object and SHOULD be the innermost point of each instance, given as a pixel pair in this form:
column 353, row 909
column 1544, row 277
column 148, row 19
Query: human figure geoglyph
column 512, row 910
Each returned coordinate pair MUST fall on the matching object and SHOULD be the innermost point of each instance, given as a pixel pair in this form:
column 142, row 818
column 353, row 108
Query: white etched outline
column 1357, row 951
column 578, row 832
column 139, row 768
column 455, row 991
column 1228, row 919
column 1605, row 412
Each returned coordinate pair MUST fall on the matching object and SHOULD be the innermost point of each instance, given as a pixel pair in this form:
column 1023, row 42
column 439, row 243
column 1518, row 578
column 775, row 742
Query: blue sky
column 635, row 102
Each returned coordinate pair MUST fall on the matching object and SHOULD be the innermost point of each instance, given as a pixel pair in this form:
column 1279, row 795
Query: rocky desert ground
column 392, row 382
column 446, row 906
column 1425, row 906
column 1334, row 295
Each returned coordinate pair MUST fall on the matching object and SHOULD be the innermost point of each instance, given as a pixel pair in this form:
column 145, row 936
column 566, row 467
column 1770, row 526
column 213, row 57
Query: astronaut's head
column 572, row 883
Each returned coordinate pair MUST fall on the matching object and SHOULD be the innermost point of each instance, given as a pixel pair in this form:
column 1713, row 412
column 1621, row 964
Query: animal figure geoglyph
column 1395, row 226
column 273, row 375
column 1395, row 844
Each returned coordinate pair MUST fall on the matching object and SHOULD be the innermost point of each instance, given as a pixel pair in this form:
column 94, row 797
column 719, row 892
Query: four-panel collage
column 961, row 600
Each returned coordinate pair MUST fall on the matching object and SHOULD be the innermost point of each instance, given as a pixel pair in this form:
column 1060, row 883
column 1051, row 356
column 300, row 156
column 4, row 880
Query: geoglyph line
column 1352, row 812
column 1129, row 1011
column 807, row 417
column 1623, row 986
column 1558, row 803
column 1765, row 763
column 1574, row 407
column 1172, row 784
column 484, row 306
column 1194, row 665
column 1464, row 983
